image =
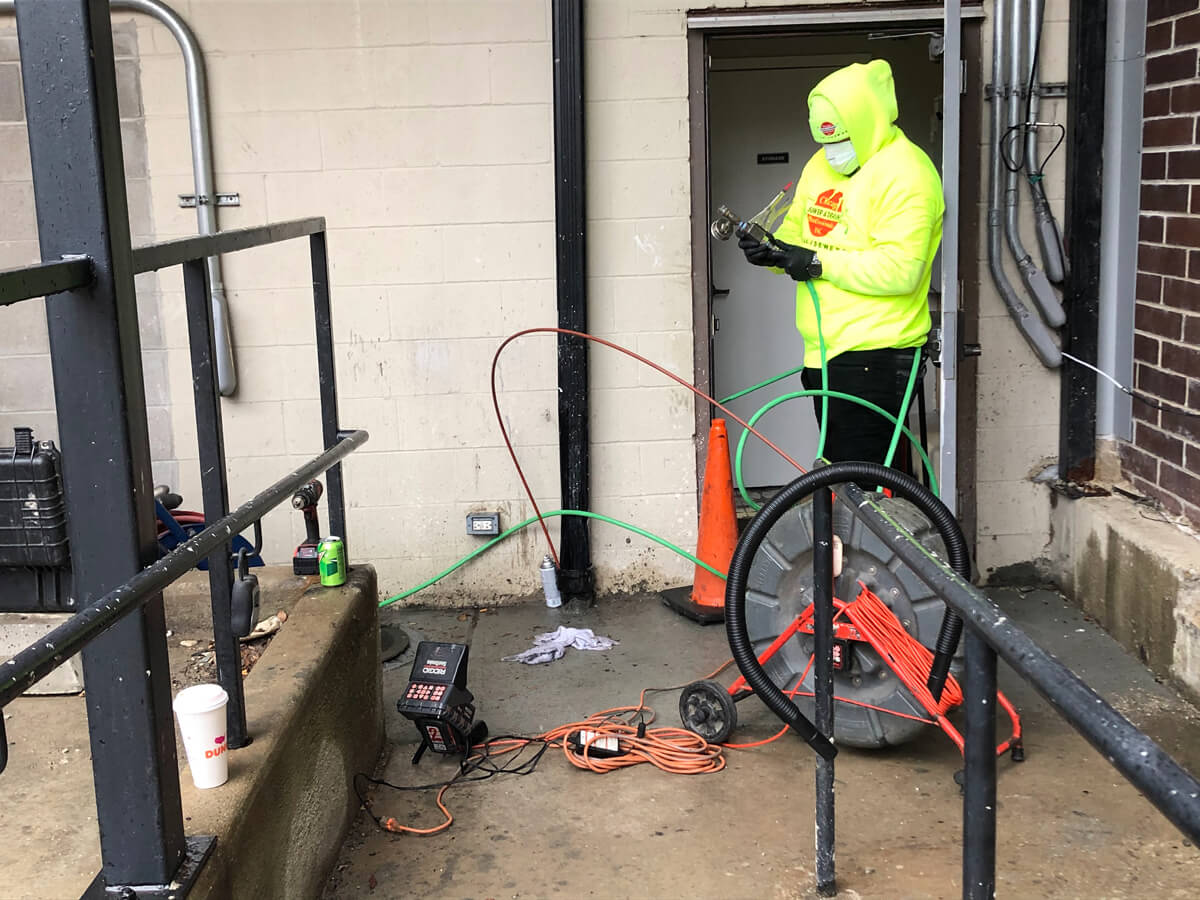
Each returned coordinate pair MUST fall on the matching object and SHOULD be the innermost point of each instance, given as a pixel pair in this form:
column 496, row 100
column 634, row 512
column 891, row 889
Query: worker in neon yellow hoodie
column 864, row 227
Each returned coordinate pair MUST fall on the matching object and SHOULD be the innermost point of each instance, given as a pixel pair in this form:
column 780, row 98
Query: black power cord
column 477, row 765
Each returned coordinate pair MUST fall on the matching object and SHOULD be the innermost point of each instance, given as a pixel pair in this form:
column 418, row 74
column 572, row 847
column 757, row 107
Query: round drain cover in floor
column 393, row 640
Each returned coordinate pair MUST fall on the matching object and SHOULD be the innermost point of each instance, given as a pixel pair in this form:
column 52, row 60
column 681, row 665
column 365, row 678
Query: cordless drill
column 304, row 560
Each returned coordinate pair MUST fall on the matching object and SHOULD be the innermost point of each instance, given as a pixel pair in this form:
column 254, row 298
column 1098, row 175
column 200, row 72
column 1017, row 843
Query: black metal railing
column 22, row 671
column 989, row 634
column 87, row 278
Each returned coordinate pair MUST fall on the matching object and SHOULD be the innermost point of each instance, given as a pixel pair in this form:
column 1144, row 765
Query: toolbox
column 35, row 559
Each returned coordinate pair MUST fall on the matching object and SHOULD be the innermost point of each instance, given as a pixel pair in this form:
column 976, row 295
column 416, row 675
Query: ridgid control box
column 437, row 699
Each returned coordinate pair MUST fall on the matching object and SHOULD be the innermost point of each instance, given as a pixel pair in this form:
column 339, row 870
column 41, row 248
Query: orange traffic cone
column 704, row 601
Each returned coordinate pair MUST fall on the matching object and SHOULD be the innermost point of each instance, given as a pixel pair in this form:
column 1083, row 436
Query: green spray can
column 331, row 561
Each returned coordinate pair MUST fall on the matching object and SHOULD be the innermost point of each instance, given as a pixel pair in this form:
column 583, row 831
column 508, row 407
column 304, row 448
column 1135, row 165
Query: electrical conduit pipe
column 202, row 165
column 1036, row 283
column 1049, row 235
column 1032, row 328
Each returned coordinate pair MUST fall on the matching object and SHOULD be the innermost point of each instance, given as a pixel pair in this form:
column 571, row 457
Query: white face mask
column 841, row 157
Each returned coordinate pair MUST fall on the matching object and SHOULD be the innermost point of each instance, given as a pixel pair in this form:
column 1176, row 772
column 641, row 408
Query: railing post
column 79, row 183
column 979, row 775
column 823, row 682
column 210, row 437
column 327, row 375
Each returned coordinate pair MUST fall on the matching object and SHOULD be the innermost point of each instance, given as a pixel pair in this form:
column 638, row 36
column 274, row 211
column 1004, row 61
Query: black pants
column 855, row 432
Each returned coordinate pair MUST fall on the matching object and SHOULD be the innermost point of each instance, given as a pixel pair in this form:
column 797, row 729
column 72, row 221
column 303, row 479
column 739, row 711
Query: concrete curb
column 1139, row 577
column 314, row 704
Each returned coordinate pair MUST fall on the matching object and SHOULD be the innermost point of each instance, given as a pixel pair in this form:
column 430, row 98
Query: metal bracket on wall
column 190, row 201
column 1050, row 90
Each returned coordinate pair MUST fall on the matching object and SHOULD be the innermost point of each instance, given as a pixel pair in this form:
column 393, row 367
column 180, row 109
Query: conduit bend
column 202, row 164
column 1049, row 235
column 1032, row 328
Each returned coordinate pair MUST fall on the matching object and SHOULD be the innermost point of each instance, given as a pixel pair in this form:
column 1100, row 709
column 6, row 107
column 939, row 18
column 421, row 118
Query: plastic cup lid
column 200, row 698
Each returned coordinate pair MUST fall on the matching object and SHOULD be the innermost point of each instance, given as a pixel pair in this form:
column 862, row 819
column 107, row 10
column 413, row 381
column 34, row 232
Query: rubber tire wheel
column 706, row 709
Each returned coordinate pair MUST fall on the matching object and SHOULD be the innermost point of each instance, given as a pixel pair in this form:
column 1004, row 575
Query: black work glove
column 796, row 261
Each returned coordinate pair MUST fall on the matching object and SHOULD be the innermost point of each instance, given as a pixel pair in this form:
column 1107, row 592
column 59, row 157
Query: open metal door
column 952, row 87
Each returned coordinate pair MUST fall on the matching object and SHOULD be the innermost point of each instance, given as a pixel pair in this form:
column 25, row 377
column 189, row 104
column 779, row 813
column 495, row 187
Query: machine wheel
column 706, row 708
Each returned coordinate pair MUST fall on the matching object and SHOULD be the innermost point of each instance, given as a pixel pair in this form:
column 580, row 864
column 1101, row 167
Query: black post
column 576, row 577
column 210, row 436
column 327, row 377
column 75, row 145
column 979, row 775
column 823, row 682
column 1081, row 294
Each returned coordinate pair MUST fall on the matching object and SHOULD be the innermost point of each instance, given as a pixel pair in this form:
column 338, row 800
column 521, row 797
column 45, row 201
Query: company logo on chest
column 825, row 213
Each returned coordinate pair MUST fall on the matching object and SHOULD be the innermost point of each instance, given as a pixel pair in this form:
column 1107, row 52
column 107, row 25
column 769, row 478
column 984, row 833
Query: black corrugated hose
column 831, row 475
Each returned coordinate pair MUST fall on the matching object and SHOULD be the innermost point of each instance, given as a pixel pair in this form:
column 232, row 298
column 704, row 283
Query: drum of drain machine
column 780, row 586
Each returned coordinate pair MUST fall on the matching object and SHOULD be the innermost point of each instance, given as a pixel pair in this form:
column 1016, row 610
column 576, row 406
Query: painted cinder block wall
column 1163, row 459
column 422, row 131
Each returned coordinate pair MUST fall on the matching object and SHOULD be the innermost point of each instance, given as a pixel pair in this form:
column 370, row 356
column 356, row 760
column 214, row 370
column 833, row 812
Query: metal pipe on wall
column 1088, row 182
column 1049, row 235
column 576, row 577
column 1037, row 285
column 1125, row 85
column 1032, row 328
column 202, row 164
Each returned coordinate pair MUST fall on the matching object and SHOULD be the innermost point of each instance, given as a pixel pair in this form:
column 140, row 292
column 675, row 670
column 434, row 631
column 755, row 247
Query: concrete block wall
column 422, row 131
column 26, row 382
column 1018, row 398
column 1163, row 459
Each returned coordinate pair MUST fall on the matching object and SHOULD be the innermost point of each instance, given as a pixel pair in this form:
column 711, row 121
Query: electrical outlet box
column 485, row 524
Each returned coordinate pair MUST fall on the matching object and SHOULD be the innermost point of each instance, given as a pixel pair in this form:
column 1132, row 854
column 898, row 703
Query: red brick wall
column 1163, row 459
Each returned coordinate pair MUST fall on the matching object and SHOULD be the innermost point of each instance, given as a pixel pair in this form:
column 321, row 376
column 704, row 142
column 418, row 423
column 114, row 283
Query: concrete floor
column 1069, row 825
column 49, row 838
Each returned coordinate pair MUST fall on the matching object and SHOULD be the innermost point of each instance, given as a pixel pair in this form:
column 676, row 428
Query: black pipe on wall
column 576, row 578
column 1081, row 293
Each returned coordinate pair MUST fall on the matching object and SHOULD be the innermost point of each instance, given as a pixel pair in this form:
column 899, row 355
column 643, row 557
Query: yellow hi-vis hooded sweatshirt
column 875, row 231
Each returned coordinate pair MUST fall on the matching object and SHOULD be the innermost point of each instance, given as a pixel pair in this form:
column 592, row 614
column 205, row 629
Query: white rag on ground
column 553, row 644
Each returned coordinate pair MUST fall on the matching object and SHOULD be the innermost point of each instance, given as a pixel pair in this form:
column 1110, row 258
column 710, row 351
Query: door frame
column 959, row 322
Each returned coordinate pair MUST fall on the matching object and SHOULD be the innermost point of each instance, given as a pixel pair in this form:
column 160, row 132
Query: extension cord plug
column 602, row 747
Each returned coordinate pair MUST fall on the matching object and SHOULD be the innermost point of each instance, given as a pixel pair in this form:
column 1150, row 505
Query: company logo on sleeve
column 828, row 128
column 825, row 213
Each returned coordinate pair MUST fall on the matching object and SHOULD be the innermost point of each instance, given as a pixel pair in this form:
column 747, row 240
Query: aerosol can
column 550, row 583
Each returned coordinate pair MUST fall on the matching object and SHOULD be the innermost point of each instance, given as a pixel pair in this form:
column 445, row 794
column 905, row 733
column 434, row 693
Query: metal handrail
column 44, row 656
column 40, row 279
column 1173, row 790
column 182, row 250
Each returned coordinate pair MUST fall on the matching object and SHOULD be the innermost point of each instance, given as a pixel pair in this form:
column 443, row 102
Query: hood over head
column 855, row 103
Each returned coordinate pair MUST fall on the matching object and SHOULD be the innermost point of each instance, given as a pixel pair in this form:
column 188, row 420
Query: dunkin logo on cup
column 213, row 753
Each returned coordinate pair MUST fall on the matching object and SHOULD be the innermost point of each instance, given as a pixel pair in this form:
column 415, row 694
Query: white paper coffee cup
column 200, row 711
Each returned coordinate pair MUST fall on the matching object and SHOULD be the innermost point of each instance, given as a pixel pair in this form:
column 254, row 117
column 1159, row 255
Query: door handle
column 720, row 292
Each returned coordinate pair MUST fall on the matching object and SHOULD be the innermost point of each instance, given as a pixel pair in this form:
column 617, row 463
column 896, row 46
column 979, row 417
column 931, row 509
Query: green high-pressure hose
column 549, row 515
column 837, row 395
column 812, row 292
column 824, row 393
